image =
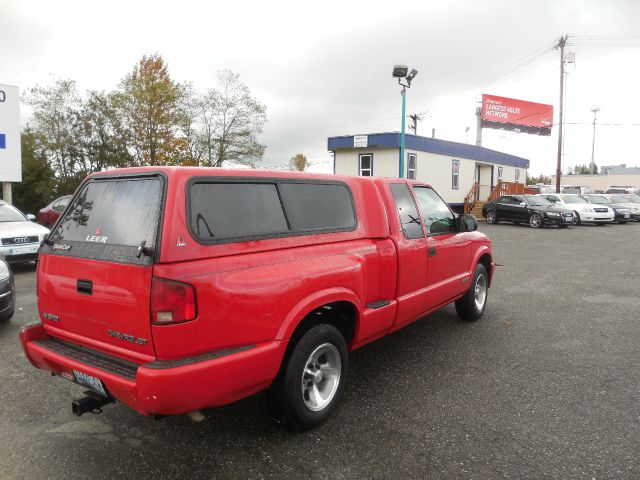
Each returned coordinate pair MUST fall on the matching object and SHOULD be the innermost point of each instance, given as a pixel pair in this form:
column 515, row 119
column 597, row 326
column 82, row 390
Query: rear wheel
column 312, row 379
column 491, row 217
column 535, row 220
column 472, row 305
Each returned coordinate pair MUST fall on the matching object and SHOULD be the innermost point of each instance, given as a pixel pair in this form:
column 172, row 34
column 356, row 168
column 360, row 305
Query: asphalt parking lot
column 545, row 385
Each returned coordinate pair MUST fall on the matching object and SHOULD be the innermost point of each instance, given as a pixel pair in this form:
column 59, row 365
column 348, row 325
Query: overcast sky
column 324, row 68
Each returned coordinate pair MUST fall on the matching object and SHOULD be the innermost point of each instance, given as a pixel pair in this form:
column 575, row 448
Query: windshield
column 10, row 214
column 537, row 201
column 597, row 199
column 619, row 199
column 633, row 198
column 574, row 199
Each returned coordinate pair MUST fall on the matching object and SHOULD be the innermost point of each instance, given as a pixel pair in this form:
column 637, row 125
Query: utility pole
column 561, row 44
column 415, row 118
column 478, row 126
column 595, row 109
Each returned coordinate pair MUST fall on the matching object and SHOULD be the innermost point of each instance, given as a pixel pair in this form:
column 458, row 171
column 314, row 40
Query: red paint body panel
column 251, row 296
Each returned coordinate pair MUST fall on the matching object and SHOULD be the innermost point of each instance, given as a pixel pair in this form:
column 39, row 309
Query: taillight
column 172, row 302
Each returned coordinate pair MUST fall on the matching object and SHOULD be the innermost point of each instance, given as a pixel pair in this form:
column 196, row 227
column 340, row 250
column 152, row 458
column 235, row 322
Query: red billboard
column 511, row 114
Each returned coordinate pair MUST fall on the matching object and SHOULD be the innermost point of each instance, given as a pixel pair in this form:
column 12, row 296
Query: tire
column 491, row 217
column 311, row 380
column 536, row 221
column 576, row 219
column 471, row 307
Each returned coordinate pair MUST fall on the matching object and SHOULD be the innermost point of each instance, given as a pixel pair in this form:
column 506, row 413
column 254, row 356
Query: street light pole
column 404, row 109
column 400, row 72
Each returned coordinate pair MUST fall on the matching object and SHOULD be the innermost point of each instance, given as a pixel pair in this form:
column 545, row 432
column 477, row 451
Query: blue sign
column 3, row 140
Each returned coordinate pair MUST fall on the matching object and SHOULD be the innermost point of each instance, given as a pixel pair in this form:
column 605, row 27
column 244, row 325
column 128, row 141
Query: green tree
column 230, row 121
column 38, row 186
column 298, row 162
column 103, row 135
column 54, row 124
column 148, row 101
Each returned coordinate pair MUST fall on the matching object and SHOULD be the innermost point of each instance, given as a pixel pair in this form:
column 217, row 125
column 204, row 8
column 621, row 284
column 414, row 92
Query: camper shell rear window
column 227, row 210
column 111, row 218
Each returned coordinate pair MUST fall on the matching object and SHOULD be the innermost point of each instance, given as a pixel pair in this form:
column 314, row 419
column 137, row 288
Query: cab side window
column 437, row 215
column 407, row 211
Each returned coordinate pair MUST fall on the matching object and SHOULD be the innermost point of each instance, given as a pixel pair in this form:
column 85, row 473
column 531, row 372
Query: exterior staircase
column 476, row 211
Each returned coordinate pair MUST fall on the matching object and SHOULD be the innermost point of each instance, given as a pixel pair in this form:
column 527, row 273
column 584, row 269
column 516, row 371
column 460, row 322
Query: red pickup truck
column 173, row 289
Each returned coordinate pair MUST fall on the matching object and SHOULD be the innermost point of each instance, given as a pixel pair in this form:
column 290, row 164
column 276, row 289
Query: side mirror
column 467, row 223
column 31, row 217
column 523, row 204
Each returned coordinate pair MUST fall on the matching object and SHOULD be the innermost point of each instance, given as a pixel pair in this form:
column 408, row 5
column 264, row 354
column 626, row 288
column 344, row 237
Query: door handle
column 85, row 287
column 431, row 251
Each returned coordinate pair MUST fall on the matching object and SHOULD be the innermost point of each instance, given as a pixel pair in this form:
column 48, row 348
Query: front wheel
column 535, row 220
column 312, row 380
column 472, row 305
column 492, row 217
column 576, row 219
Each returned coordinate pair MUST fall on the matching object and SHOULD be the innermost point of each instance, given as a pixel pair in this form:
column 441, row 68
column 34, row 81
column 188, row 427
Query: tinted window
column 225, row 210
column 438, row 218
column 409, row 217
column 114, row 212
column 312, row 206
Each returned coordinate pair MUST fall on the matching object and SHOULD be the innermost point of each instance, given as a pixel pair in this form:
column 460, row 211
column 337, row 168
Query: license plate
column 23, row 250
column 89, row 381
column 568, row 219
column 627, row 215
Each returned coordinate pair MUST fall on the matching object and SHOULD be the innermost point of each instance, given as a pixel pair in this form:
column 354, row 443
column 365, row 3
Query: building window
column 411, row 166
column 517, row 174
column 499, row 174
column 366, row 165
column 455, row 174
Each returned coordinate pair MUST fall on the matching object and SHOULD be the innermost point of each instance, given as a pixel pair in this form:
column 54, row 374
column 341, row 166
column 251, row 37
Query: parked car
column 584, row 212
column 623, row 201
column 20, row 237
column 602, row 201
column 633, row 198
column 7, row 291
column 578, row 190
column 622, row 190
column 542, row 188
column 531, row 209
column 48, row 215
column 217, row 284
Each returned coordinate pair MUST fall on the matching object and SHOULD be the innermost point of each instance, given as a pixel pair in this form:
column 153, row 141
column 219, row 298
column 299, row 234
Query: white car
column 584, row 212
column 20, row 237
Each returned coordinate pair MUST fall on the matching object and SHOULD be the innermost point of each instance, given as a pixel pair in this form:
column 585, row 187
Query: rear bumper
column 162, row 387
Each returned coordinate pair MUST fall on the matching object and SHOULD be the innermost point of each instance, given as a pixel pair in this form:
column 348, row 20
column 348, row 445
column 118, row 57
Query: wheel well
column 485, row 260
column 341, row 315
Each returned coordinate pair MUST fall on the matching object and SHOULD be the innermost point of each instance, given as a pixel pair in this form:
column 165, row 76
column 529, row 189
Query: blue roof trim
column 432, row 145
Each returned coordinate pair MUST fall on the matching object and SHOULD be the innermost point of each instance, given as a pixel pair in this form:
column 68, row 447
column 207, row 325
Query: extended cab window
column 120, row 212
column 313, row 206
column 222, row 212
column 437, row 215
column 409, row 217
